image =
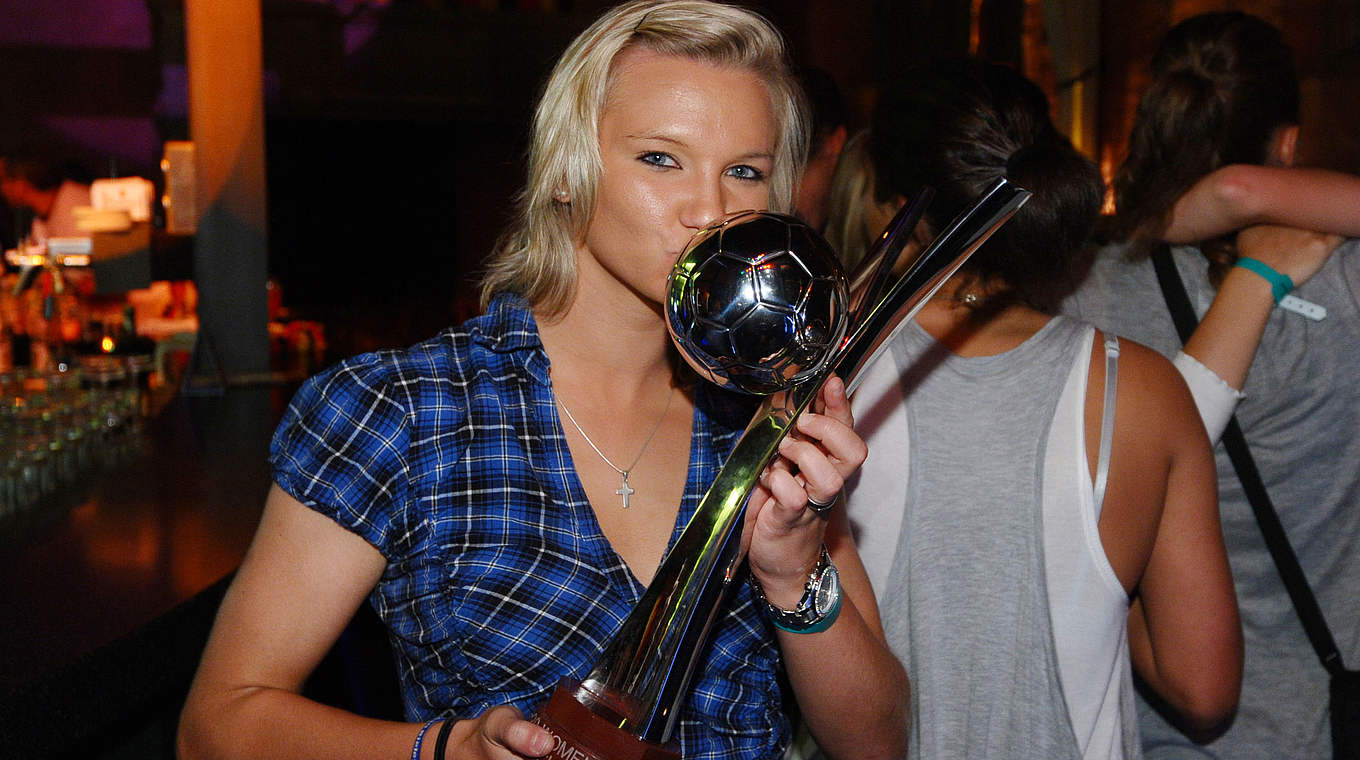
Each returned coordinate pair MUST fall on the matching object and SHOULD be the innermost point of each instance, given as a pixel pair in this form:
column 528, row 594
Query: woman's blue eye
column 657, row 158
column 747, row 173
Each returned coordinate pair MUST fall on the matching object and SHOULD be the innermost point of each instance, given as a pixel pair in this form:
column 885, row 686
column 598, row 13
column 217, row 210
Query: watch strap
column 805, row 617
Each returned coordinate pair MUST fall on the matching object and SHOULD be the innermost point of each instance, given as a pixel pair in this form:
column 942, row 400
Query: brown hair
column 959, row 126
column 1222, row 84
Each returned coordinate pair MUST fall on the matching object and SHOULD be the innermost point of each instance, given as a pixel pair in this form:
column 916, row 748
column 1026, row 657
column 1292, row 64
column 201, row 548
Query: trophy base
column 579, row 734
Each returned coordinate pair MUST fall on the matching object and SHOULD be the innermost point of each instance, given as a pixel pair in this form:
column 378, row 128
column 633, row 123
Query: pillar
column 226, row 123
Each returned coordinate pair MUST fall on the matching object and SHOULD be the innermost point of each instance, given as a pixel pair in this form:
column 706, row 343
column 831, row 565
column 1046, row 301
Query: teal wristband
column 1280, row 284
column 820, row 625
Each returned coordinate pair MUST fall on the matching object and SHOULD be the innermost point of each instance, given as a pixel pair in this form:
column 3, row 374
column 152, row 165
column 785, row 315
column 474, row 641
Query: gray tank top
column 967, row 608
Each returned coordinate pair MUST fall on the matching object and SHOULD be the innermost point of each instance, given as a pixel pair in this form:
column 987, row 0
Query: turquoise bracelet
column 1280, row 284
column 820, row 625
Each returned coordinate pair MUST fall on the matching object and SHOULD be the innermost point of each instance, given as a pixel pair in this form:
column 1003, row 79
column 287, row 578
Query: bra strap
column 1107, row 419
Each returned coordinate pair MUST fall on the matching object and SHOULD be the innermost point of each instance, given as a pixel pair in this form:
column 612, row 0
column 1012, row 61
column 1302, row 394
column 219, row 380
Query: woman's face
column 683, row 143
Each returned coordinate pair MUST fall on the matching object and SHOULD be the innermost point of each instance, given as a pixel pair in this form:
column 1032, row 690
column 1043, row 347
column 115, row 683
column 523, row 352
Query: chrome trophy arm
column 869, row 281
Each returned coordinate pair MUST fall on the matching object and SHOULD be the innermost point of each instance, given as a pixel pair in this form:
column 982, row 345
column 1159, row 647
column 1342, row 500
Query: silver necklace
column 624, row 489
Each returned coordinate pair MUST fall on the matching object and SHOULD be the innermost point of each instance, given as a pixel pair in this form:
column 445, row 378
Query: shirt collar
column 509, row 328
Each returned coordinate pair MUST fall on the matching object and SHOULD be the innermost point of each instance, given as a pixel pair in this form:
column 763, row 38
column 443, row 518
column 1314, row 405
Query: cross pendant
column 625, row 490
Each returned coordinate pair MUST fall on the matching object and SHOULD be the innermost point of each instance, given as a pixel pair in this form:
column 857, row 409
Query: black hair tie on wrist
column 442, row 739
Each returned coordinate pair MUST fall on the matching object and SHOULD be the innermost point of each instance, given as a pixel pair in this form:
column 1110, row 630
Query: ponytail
column 960, row 126
column 1222, row 83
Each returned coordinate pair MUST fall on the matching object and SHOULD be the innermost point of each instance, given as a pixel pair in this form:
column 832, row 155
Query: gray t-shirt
column 1301, row 416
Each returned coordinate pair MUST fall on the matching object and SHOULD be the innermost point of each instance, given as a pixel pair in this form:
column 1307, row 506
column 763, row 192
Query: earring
column 561, row 195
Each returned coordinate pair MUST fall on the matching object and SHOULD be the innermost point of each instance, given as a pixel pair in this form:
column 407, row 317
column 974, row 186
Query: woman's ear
column 1284, row 145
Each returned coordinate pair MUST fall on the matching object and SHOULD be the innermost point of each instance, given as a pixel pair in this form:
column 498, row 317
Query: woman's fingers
column 790, row 493
column 832, row 401
column 1293, row 252
column 500, row 733
column 825, row 438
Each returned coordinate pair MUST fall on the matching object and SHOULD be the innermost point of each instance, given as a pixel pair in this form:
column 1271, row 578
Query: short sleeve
column 342, row 449
column 1214, row 398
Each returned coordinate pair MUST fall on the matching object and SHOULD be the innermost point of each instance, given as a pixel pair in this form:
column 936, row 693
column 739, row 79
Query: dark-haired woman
column 1214, row 137
column 1028, row 535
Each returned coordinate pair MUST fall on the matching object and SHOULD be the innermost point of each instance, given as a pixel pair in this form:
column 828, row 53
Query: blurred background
column 394, row 129
column 322, row 178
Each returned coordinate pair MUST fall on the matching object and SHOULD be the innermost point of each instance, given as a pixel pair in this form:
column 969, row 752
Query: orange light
column 106, row 344
column 1107, row 172
column 974, row 27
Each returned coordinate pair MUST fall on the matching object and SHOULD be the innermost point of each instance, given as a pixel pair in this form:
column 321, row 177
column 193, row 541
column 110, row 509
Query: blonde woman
column 503, row 492
column 851, row 222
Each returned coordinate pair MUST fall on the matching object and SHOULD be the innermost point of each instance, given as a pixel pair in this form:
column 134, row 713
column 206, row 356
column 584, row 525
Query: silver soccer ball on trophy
column 757, row 302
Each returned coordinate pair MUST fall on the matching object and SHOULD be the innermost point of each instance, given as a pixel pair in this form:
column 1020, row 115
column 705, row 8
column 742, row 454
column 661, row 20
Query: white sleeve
column 1214, row 398
column 876, row 495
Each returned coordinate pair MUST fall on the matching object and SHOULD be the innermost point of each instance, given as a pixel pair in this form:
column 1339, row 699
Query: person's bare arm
column 300, row 583
column 1242, row 195
column 1228, row 335
column 1273, row 210
column 851, row 689
column 1184, row 632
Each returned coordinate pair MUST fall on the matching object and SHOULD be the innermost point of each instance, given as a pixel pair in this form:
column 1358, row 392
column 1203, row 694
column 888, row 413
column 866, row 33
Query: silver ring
column 821, row 507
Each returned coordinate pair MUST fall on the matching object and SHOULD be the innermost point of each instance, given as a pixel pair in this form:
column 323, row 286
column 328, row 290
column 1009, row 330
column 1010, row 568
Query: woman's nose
column 706, row 204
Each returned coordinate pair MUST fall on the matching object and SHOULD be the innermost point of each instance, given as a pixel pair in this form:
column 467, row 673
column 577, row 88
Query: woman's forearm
column 256, row 723
column 1227, row 337
column 852, row 691
column 1241, row 195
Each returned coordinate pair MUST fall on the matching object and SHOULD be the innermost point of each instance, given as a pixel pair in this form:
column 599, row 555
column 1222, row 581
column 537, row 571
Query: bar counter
column 108, row 587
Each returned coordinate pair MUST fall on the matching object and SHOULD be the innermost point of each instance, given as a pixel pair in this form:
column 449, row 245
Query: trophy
column 756, row 303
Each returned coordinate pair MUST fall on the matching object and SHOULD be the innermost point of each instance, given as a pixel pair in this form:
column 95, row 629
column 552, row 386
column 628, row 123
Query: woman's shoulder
column 1143, row 365
column 387, row 377
column 494, row 346
column 1150, row 387
column 359, row 436
column 388, row 399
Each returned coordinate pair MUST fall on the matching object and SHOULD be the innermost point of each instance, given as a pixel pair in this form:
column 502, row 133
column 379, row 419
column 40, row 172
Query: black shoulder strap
column 1286, row 562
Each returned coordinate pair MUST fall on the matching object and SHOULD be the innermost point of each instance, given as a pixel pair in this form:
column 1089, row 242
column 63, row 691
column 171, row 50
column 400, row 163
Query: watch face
column 828, row 590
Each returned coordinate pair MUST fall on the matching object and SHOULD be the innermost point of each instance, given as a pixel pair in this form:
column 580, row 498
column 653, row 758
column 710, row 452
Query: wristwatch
column 820, row 605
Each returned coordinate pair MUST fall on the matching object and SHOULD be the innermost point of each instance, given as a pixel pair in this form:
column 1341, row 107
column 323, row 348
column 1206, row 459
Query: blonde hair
column 536, row 257
column 852, row 190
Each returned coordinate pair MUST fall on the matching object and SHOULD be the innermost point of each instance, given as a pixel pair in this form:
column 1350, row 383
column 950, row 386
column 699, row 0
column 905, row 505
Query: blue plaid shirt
column 449, row 458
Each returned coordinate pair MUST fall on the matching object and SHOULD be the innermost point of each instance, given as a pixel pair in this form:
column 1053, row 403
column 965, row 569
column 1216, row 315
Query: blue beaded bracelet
column 1280, row 284
column 420, row 737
